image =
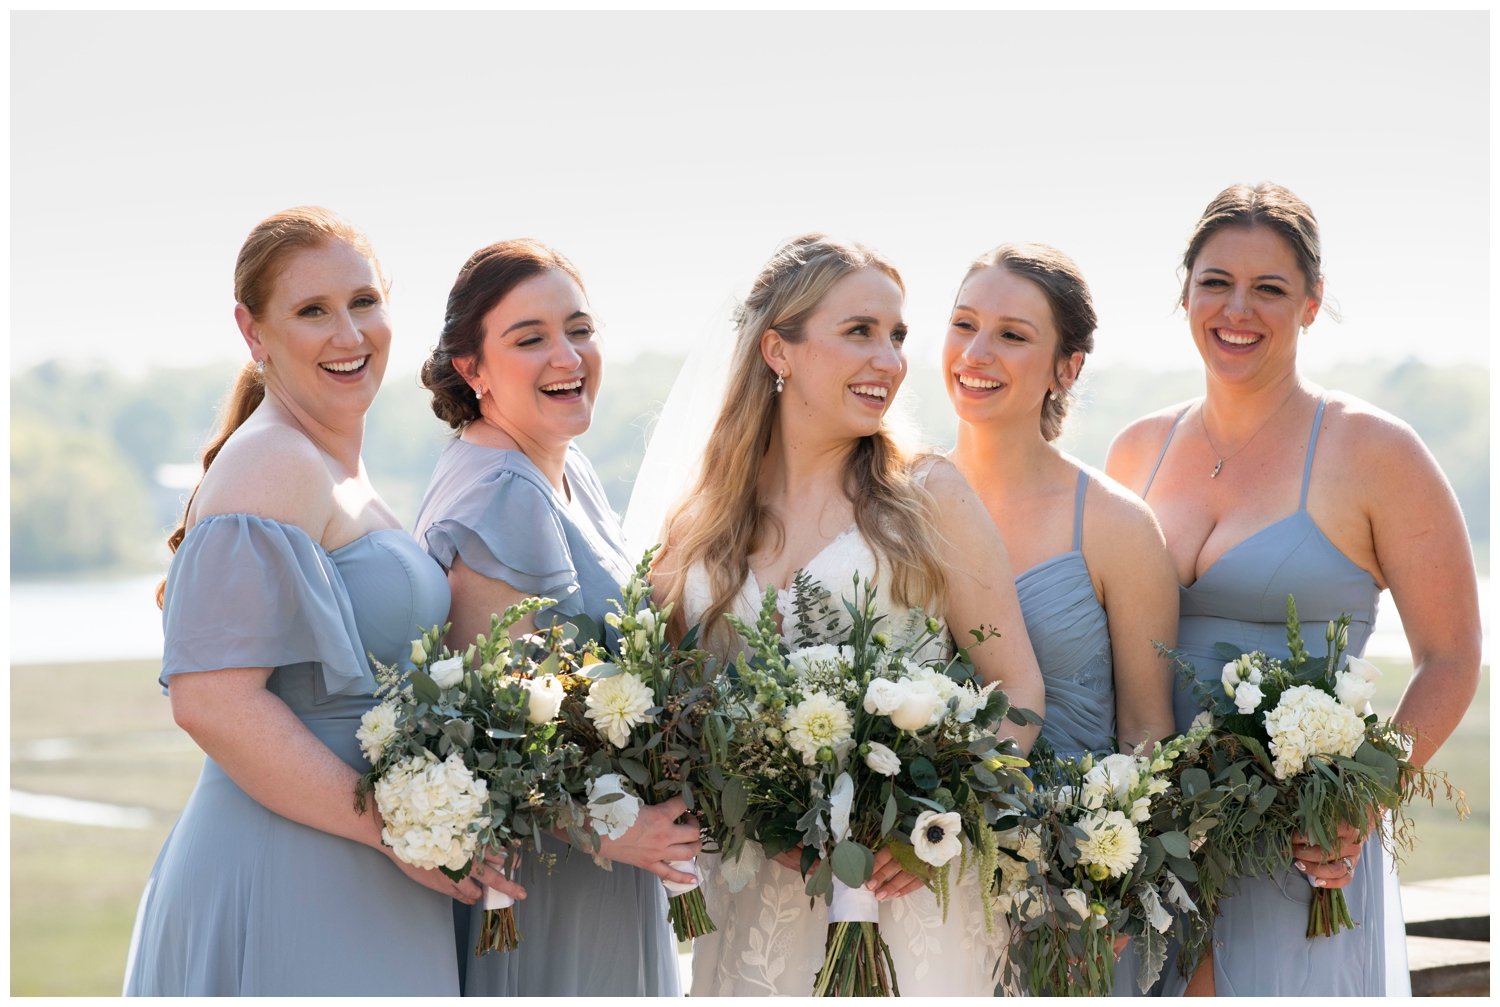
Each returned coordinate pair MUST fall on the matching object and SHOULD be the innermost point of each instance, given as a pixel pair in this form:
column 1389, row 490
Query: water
column 111, row 620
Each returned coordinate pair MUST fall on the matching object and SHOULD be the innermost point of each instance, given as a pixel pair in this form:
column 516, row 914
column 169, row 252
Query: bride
column 800, row 473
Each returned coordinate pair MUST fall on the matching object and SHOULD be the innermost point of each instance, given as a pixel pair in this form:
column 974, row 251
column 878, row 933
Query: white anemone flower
column 935, row 837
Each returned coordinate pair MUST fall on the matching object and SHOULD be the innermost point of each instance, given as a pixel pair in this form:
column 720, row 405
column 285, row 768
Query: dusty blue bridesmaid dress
column 1259, row 943
column 1069, row 634
column 585, row 931
column 244, row 902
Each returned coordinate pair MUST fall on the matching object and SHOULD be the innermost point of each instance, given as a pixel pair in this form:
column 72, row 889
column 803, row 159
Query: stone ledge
column 1452, row 908
column 1442, row 967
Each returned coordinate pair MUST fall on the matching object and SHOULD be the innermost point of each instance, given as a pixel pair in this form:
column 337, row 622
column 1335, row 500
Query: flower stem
column 499, row 932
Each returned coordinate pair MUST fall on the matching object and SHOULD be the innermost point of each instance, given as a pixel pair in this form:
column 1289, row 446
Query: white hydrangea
column 1308, row 722
column 376, row 729
column 818, row 721
column 430, row 809
column 1111, row 841
column 617, row 704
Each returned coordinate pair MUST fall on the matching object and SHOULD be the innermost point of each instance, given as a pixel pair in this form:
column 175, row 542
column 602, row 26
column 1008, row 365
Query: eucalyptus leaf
column 853, row 863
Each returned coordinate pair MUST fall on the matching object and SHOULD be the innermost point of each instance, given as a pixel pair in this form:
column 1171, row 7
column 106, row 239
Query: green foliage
column 74, row 505
column 166, row 416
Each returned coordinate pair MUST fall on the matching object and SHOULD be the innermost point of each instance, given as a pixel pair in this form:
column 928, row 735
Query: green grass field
column 74, row 888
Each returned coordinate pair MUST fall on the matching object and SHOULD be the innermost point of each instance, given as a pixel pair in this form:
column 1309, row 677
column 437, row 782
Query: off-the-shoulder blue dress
column 244, row 902
column 585, row 931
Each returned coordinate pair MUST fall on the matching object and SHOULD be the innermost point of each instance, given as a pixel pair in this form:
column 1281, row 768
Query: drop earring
column 780, row 382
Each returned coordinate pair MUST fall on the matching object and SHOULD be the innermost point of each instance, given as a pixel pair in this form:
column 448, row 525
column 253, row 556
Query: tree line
column 99, row 460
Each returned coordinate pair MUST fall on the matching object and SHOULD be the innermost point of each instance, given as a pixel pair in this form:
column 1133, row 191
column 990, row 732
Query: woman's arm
column 1128, row 559
column 1423, row 553
column 982, row 593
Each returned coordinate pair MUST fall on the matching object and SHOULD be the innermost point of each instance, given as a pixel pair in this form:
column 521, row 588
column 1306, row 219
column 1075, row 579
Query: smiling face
column 323, row 333
column 1000, row 356
column 1246, row 300
column 539, row 367
column 844, row 374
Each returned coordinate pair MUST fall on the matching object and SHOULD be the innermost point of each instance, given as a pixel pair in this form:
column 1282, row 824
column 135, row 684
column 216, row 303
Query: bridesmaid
column 1267, row 486
column 289, row 569
column 1097, row 591
column 515, row 509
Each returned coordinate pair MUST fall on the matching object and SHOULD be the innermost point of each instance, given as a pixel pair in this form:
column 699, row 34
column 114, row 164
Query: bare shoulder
column 1135, row 448
column 1119, row 527
column 272, row 471
column 1365, row 425
column 943, row 480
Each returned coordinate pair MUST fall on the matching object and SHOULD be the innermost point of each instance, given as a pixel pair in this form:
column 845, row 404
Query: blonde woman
column 801, row 474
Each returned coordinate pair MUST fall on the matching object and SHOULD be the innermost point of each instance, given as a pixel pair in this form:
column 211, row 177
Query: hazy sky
column 668, row 154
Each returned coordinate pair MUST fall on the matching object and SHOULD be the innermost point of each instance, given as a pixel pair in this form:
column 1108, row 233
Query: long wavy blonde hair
column 722, row 520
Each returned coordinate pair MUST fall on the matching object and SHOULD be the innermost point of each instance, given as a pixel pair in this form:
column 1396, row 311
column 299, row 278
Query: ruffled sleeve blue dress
column 1259, row 943
column 244, row 902
column 585, row 930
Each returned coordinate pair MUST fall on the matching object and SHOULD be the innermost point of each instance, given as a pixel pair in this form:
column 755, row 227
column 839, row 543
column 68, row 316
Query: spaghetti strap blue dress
column 1069, row 633
column 1259, row 943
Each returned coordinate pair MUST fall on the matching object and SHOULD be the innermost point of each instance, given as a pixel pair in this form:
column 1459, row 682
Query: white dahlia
column 617, row 704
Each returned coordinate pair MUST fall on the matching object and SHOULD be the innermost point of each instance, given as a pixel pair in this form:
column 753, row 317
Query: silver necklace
column 1222, row 458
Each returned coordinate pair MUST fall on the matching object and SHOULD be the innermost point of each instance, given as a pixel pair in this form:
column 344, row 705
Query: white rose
column 882, row 760
column 1247, row 697
column 935, row 837
column 1353, row 690
column 418, row 655
column 1094, row 794
column 448, row 672
column 1364, row 669
column 883, row 696
column 1230, row 677
column 1119, row 772
column 921, row 706
column 612, row 818
column 544, row 699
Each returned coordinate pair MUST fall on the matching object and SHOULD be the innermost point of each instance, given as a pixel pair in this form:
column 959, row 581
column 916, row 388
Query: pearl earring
column 780, row 382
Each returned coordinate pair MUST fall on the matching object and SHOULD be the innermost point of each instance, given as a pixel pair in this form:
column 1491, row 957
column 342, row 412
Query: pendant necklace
column 1222, row 458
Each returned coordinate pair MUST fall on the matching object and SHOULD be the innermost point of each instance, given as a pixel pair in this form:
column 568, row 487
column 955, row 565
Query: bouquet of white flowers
column 865, row 742
column 466, row 755
column 650, row 722
column 1098, row 854
column 1297, row 751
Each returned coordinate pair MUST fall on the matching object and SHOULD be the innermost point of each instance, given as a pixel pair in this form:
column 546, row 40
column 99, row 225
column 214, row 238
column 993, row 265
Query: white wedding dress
column 770, row 941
